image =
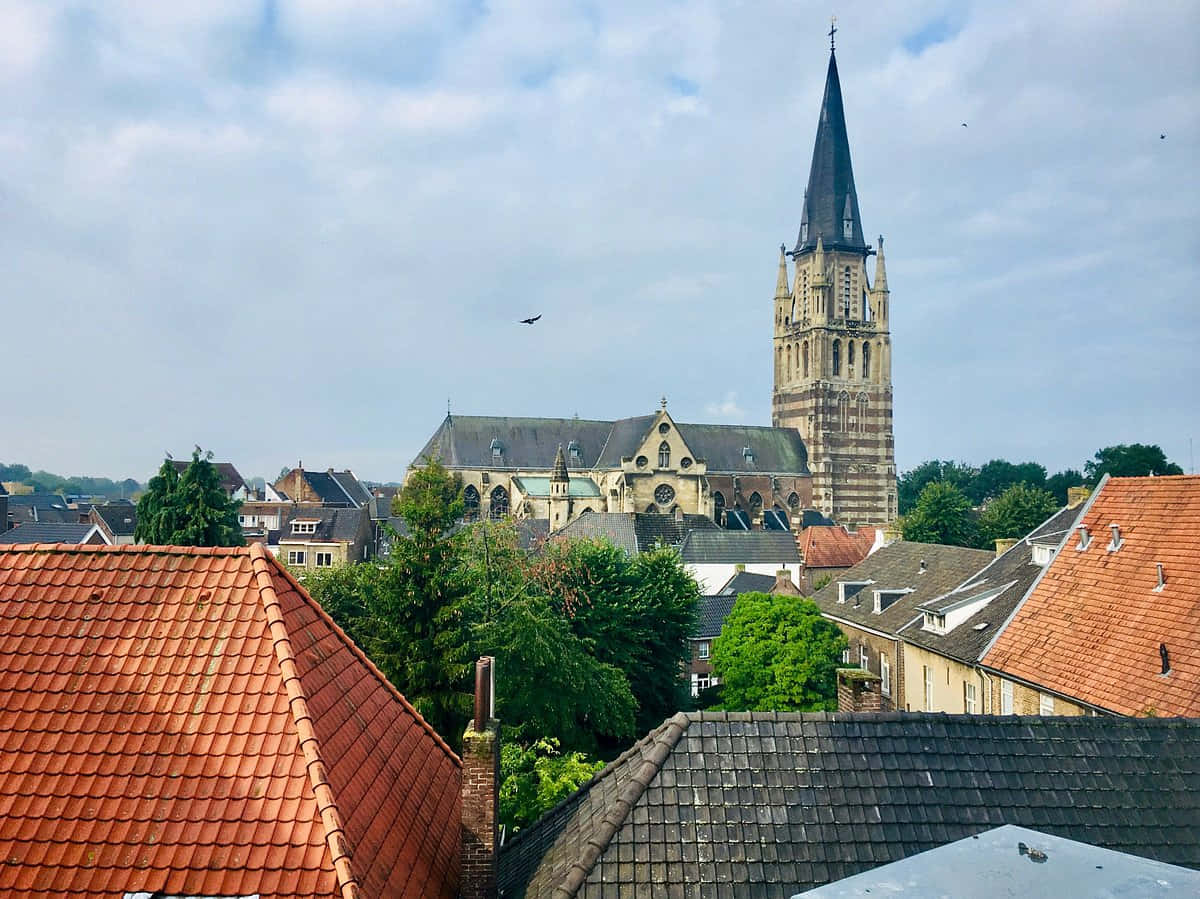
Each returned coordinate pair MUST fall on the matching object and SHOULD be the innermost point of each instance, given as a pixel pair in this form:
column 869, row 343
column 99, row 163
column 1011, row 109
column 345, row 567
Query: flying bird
column 530, row 321
column 964, row 124
column 1162, row 137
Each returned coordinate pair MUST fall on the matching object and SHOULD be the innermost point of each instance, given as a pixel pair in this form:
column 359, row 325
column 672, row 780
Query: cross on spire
column 832, row 30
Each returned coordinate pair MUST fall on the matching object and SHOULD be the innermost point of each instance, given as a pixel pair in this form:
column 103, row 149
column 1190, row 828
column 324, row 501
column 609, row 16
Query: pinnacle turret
column 880, row 282
column 781, row 285
column 559, row 473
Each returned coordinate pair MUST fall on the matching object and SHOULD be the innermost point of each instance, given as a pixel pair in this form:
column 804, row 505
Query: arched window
column 837, row 358
column 778, row 362
column 804, row 357
column 499, row 504
column 793, row 501
column 718, row 507
column 862, row 411
column 470, row 503
column 664, row 455
column 789, row 362
column 849, row 358
column 844, row 411
column 755, row 505
column 866, row 361
column 805, row 294
column 651, row 509
column 846, row 293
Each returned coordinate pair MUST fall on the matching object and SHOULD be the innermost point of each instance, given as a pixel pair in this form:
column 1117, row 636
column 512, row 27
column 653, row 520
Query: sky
column 295, row 229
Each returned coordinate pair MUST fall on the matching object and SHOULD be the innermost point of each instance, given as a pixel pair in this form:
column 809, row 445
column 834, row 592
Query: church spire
column 559, row 473
column 831, row 203
column 880, row 270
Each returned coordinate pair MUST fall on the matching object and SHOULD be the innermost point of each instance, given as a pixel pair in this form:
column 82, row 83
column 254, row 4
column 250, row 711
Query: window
column 296, row 557
column 864, row 657
column 702, row 649
column 806, row 293
column 1045, row 704
column 928, row 687
column 718, row 506
column 574, row 453
column 846, row 656
column 793, row 501
column 242, row 520
column 470, row 503
column 700, row 682
column 304, row 527
column 324, row 559
column 1042, row 554
column 789, row 362
column 850, row 359
column 755, row 504
column 1006, row 697
column 969, row 698
column 497, row 449
column 664, row 455
column 804, row 359
column 843, row 412
column 837, row 358
column 885, row 675
column 846, row 290
column 866, row 361
column 499, row 504
column 663, row 494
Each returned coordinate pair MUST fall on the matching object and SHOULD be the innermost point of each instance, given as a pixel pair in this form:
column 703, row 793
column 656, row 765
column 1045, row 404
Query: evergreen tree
column 1128, row 461
column 189, row 509
column 942, row 515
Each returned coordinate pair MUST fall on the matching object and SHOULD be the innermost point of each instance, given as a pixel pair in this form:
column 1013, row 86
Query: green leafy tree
column 1059, row 483
column 188, row 509
column 911, row 483
column 1016, row 512
column 776, row 653
column 999, row 474
column 942, row 515
column 536, row 778
column 1128, row 460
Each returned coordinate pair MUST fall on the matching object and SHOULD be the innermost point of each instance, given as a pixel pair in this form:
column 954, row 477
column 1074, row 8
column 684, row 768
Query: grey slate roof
column 530, row 444
column 1014, row 571
column 831, row 177
column 353, row 488
column 897, row 567
column 713, row 611
column 616, row 527
column 747, row 582
column 636, row 532
column 769, row 804
column 47, row 532
column 120, row 518
column 334, row 525
column 47, row 508
column 335, row 488
column 739, row 547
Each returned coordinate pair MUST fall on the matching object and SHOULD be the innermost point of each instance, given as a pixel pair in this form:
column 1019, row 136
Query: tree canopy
column 1128, row 460
column 188, row 509
column 777, row 653
column 942, row 515
column 1015, row 512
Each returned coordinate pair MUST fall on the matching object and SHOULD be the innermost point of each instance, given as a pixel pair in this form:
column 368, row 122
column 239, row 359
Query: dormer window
column 885, row 598
column 804, row 232
column 573, row 452
column 1042, row 554
column 935, row 622
column 304, row 527
column 497, row 449
column 848, row 228
column 848, row 589
column 748, row 455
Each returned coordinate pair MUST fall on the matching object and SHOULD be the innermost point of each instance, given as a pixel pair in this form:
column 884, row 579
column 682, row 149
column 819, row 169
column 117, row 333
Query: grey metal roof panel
column 739, row 547
column 1014, row 570
column 898, row 567
column 774, row 803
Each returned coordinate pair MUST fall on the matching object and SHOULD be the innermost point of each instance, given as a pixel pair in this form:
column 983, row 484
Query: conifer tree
column 189, row 509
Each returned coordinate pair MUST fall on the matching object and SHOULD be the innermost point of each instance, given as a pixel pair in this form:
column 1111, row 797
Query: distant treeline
column 76, row 485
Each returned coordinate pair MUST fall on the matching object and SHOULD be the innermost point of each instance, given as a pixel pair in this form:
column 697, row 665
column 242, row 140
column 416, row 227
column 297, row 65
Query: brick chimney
column 1004, row 544
column 1076, row 495
column 784, row 584
column 859, row 690
column 480, row 789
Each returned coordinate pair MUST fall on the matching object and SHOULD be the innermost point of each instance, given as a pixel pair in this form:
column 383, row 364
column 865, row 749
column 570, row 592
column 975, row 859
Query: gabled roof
column 331, row 488
column 712, row 612
column 739, row 547
column 333, row 525
column 231, row 479
column 654, row 528
column 616, row 527
column 186, row 721
column 1002, row 583
column 1092, row 627
column 352, row 487
column 120, row 518
column 636, row 532
column 898, row 567
column 773, row 803
column 530, row 444
column 834, row 547
column 747, row 582
column 51, row 532
column 831, row 177
column 46, row 508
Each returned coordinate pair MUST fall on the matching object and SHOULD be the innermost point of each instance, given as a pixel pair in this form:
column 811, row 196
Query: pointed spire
column 819, row 264
column 781, row 285
column 831, row 198
column 559, row 473
column 880, row 270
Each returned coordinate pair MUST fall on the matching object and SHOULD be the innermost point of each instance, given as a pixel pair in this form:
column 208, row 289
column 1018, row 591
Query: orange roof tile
column 824, row 546
column 1091, row 627
column 189, row 721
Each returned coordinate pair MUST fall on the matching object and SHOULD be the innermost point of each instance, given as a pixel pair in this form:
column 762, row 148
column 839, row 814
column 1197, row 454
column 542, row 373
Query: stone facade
column 880, row 652
column 832, row 345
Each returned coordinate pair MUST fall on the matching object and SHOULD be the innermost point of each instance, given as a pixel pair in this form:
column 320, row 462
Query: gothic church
column 832, row 347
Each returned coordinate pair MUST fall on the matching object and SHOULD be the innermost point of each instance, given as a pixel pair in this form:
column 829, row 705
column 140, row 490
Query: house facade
column 316, row 537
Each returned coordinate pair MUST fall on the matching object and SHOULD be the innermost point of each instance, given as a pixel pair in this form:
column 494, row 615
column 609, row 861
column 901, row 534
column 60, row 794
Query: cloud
column 727, row 409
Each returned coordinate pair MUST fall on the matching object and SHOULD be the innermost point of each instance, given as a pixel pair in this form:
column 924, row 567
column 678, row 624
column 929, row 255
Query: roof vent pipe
column 1162, row 580
column 1166, row 658
column 922, row 569
column 1084, row 537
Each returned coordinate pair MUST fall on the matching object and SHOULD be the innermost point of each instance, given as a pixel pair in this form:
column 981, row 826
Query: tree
column 999, row 474
column 188, row 509
column 911, row 483
column 942, row 515
column 536, row 778
column 1016, row 512
column 776, row 653
column 1128, row 461
column 1059, row 483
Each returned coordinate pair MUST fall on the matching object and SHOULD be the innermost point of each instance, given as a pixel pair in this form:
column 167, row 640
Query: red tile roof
column 1092, row 626
column 822, row 546
column 189, row 721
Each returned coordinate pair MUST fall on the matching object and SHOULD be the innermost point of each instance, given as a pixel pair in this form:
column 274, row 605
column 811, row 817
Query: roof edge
column 669, row 733
column 362, row 656
column 331, row 820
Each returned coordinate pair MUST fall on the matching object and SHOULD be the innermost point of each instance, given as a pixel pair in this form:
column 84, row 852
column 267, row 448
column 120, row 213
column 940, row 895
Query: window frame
column 304, row 527
column 328, row 555
column 864, row 657
column 970, row 698
column 885, row 675
column 1045, row 704
column 297, row 557
column 928, row 691
column 1006, row 697
column 702, row 649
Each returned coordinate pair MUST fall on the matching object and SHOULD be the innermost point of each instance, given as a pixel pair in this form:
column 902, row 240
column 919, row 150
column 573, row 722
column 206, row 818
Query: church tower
column 833, row 349
column 560, row 492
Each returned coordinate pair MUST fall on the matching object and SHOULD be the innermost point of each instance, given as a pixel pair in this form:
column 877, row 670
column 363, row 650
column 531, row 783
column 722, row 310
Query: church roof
column 536, row 486
column 831, row 177
column 530, row 444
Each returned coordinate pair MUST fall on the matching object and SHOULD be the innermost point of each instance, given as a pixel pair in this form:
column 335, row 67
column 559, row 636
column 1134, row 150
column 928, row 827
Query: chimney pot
column 1003, row 545
column 1076, row 495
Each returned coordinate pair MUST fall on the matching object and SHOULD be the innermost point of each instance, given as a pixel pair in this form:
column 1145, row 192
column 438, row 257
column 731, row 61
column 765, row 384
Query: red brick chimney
column 784, row 584
column 858, row 690
column 480, row 789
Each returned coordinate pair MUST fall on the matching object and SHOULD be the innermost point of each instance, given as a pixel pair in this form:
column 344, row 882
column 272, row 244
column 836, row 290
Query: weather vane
column 832, row 30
